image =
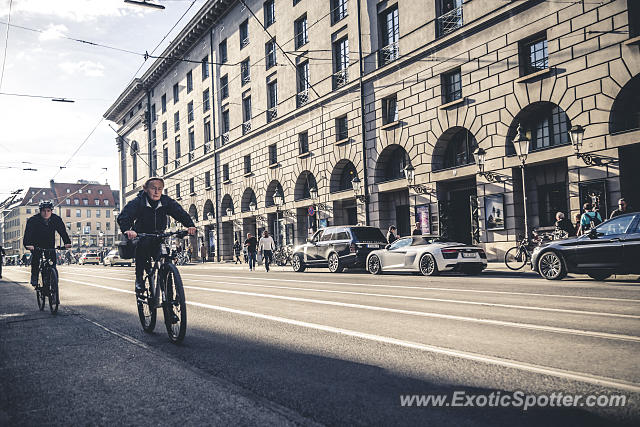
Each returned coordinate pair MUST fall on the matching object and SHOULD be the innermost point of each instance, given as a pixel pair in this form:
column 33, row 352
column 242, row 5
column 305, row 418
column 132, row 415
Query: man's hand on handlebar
column 130, row 234
column 67, row 245
column 192, row 231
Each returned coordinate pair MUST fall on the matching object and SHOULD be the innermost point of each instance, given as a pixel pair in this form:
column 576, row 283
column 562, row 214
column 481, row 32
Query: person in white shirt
column 266, row 246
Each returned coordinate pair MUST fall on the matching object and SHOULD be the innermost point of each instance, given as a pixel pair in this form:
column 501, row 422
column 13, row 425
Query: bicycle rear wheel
column 40, row 296
column 175, row 307
column 54, row 299
column 147, row 304
column 515, row 258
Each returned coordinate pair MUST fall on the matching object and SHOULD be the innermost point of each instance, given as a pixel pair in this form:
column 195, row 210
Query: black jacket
column 138, row 215
column 43, row 234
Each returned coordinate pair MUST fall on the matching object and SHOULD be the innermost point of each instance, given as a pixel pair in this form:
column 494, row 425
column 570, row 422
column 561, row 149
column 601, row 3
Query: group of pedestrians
column 588, row 219
column 254, row 248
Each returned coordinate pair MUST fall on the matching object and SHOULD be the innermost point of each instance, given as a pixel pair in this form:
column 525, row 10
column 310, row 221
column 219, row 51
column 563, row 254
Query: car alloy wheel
column 428, row 265
column 297, row 263
column 374, row 265
column 550, row 266
column 334, row 263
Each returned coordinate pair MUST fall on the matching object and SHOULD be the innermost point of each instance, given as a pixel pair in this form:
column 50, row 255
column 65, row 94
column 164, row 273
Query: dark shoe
column 34, row 283
column 139, row 287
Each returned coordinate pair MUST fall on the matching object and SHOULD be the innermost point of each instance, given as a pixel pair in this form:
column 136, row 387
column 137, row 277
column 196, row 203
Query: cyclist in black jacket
column 40, row 231
column 147, row 213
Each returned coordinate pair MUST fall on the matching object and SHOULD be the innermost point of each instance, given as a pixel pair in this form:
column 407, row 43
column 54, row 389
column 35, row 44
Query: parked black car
column 338, row 247
column 613, row 247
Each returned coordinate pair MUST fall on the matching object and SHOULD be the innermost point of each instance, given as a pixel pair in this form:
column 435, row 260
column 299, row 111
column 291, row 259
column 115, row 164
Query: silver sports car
column 427, row 254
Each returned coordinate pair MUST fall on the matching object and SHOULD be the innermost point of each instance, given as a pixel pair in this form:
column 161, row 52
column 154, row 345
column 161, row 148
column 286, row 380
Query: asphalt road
column 342, row 349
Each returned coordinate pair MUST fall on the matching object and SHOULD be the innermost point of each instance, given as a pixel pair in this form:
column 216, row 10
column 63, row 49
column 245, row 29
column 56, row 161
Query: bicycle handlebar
column 179, row 233
column 57, row 248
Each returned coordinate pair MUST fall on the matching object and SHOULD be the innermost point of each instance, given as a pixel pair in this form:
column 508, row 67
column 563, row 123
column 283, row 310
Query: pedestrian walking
column 417, row 231
column 563, row 224
column 251, row 244
column 391, row 234
column 2, row 254
column 190, row 253
column 623, row 208
column 589, row 219
column 266, row 248
column 203, row 253
column 236, row 250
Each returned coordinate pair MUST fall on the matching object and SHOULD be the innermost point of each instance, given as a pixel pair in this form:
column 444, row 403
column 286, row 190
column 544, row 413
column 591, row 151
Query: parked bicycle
column 520, row 255
column 163, row 288
column 47, row 286
column 282, row 255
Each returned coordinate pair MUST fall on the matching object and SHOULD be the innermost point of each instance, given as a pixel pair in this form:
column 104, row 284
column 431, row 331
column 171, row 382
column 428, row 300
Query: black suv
column 338, row 247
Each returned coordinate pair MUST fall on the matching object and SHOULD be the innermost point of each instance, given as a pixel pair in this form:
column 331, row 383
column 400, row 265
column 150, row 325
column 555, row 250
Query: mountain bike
column 163, row 288
column 520, row 255
column 47, row 286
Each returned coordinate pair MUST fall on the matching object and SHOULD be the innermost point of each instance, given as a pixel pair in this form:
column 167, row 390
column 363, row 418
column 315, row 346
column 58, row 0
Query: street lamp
column 313, row 192
column 253, row 206
column 356, row 184
column 410, row 175
column 229, row 211
column 481, row 155
column 521, row 144
column 576, row 133
column 278, row 200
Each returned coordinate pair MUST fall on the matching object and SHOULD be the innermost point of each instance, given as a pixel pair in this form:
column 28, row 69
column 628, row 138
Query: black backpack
column 594, row 220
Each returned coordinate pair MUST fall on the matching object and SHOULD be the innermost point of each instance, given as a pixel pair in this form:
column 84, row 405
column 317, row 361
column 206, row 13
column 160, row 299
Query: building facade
column 301, row 97
column 87, row 208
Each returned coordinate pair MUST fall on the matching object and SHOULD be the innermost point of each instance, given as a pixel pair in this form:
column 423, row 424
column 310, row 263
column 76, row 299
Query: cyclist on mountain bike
column 147, row 213
column 40, row 232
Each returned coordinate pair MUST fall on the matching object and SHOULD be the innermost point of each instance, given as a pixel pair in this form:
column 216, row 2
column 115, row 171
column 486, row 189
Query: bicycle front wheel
column 40, row 296
column 175, row 307
column 147, row 304
column 54, row 299
column 515, row 258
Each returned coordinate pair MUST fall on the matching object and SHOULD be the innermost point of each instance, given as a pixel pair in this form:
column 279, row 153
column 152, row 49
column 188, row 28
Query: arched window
column 305, row 182
column 625, row 113
column 391, row 163
column 271, row 190
column 459, row 151
column 544, row 123
column 341, row 177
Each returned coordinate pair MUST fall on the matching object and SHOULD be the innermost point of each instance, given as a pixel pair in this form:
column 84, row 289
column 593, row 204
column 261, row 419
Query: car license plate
column 468, row 255
column 373, row 246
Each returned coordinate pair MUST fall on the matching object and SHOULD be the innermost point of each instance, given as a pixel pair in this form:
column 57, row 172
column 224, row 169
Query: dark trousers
column 1, row 262
column 268, row 258
column 145, row 249
column 35, row 262
column 252, row 259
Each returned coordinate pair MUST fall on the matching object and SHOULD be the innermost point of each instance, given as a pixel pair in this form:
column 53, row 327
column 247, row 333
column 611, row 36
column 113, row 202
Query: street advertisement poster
column 323, row 223
column 494, row 212
column 423, row 217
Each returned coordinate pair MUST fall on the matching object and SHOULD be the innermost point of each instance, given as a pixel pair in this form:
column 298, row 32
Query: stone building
column 299, row 97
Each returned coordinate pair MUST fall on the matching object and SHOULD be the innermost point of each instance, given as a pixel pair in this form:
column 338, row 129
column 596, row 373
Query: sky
column 41, row 134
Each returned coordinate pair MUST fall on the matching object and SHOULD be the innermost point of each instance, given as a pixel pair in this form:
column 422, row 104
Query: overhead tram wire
column 6, row 44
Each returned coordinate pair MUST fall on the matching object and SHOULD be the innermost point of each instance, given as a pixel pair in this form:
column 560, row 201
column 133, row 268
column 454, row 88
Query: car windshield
column 368, row 234
column 92, row 254
column 615, row 226
column 426, row 240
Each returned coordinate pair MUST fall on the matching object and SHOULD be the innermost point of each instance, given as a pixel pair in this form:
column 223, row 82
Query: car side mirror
column 387, row 247
column 593, row 234
column 309, row 240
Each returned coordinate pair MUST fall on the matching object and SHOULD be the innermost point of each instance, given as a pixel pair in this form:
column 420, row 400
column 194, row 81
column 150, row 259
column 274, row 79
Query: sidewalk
column 67, row 370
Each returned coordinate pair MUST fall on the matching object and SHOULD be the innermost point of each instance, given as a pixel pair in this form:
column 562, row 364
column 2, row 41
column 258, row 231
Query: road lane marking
column 486, row 359
column 476, row 303
column 552, row 329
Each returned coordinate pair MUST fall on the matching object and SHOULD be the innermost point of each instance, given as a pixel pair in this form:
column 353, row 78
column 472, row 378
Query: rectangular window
column 192, row 186
column 245, row 71
column 177, row 191
column 225, row 122
column 303, row 142
column 451, row 86
column 534, row 55
column 272, row 100
column 270, row 53
column 224, row 86
column 176, row 93
column 244, row 34
column 176, row 121
column 269, row 13
column 246, row 115
column 300, row 31
column 273, row 154
column 207, row 130
column 68, row 226
column 165, row 156
column 98, row 212
column 68, row 213
column 192, row 141
column 153, row 112
column 302, row 83
column 633, row 11
column 189, row 81
column 225, row 172
column 88, row 213
column 86, row 201
column 222, row 51
column 205, row 67
column 449, row 16
column 108, row 224
column 164, row 130
column 163, row 102
column 342, row 128
column 107, row 213
column 207, row 179
column 341, row 62
column 389, row 35
column 78, row 213
column 177, row 147
column 247, row 164
column 190, row 112
column 205, row 100
column 389, row 110
column 338, row 10
column 96, row 202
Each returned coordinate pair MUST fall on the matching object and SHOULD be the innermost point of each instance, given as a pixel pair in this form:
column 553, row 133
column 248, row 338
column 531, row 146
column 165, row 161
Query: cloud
column 74, row 10
column 53, row 32
column 87, row 68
